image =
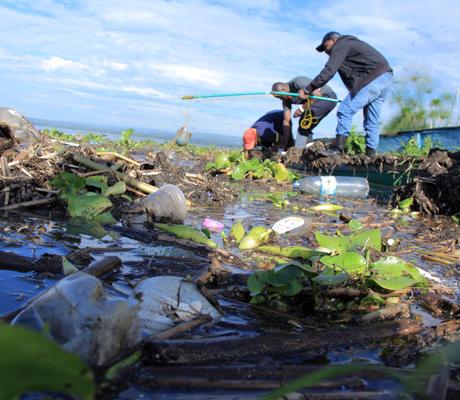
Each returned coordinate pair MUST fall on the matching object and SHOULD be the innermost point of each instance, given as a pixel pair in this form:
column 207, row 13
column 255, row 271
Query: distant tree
column 420, row 105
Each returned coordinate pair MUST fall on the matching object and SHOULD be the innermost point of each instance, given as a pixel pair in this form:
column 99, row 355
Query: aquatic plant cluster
column 238, row 167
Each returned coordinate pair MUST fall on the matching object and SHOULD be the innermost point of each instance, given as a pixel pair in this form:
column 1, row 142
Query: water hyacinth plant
column 87, row 197
column 239, row 168
column 339, row 261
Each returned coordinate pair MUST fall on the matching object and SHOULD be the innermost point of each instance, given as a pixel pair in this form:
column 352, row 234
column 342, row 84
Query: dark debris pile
column 436, row 189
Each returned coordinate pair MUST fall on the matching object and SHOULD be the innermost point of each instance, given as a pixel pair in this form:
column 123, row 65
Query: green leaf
column 209, row 166
column 355, row 225
column 292, row 288
column 30, row 362
column 115, row 370
column 98, row 181
column 326, row 207
column 256, row 282
column 290, row 251
column 206, row 232
column 239, row 172
column 406, row 204
column 117, row 189
column 88, row 206
column 84, row 226
column 222, row 161
column 187, row 232
column 281, row 172
column 125, row 136
column 69, row 184
column 255, row 237
column 237, row 231
column 355, row 241
column 329, row 278
column 367, row 239
column 278, row 200
column 350, row 262
column 105, row 218
column 333, row 243
column 393, row 267
column 372, row 299
column 126, row 197
column 396, row 283
column 258, row 299
column 67, row 267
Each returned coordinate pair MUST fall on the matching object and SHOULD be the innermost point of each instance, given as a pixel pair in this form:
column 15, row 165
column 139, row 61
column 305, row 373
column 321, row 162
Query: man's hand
column 303, row 94
column 299, row 111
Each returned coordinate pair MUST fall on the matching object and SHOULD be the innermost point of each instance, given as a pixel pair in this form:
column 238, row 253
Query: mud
column 200, row 189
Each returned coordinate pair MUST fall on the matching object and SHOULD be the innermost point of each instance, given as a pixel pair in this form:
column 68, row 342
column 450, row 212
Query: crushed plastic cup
column 293, row 224
column 166, row 204
column 213, row 225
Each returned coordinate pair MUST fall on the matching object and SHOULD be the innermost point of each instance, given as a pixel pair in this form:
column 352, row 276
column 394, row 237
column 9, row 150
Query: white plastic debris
column 98, row 327
column 83, row 319
column 167, row 300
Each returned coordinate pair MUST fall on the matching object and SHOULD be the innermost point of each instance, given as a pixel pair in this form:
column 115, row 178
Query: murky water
column 33, row 237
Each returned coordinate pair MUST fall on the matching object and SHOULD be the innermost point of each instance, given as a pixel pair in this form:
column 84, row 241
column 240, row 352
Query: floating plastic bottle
column 166, row 204
column 343, row 186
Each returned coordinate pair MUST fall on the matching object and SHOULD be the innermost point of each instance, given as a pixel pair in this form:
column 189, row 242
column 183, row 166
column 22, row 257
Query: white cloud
column 145, row 91
column 111, row 55
column 55, row 63
column 190, row 74
column 116, row 66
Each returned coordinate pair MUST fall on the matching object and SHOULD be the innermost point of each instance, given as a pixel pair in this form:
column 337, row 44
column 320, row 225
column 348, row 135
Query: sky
column 128, row 63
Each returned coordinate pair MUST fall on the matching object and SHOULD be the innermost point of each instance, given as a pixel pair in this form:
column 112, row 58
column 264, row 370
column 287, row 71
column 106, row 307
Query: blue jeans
column 370, row 98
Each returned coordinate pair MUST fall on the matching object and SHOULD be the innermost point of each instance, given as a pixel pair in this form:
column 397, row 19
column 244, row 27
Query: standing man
column 267, row 132
column 367, row 76
column 319, row 108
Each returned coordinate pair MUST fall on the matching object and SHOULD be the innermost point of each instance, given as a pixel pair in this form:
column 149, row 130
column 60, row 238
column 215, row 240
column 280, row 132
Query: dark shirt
column 270, row 127
column 358, row 64
column 301, row 82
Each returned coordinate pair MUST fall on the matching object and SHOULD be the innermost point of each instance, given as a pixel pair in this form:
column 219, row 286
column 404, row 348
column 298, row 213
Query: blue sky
column 127, row 63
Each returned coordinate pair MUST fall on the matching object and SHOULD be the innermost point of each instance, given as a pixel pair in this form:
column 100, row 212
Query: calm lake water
column 113, row 132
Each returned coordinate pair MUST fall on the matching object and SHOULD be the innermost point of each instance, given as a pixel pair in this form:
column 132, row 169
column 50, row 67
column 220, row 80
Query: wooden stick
column 16, row 262
column 30, row 203
column 120, row 156
column 41, row 190
column 4, row 166
column 103, row 266
column 438, row 254
column 137, row 193
column 181, row 328
column 436, row 260
column 25, row 172
column 145, row 187
column 92, row 173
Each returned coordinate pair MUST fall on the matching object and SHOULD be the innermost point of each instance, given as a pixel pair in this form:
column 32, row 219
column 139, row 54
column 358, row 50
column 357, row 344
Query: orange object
column 249, row 138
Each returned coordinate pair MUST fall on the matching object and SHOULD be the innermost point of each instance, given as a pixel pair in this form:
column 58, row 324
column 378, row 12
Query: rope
column 308, row 119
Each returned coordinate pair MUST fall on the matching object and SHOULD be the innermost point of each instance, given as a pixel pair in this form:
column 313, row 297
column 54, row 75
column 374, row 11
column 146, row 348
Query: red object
column 249, row 138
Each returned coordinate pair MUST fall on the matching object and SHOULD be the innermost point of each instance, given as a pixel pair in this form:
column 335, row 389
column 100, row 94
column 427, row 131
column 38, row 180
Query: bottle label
column 328, row 185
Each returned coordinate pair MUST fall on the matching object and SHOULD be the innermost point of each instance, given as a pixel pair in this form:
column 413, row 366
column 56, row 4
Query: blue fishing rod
column 208, row 96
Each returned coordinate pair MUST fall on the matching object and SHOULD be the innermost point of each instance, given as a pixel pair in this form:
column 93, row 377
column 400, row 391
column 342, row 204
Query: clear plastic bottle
column 183, row 136
column 167, row 204
column 343, row 186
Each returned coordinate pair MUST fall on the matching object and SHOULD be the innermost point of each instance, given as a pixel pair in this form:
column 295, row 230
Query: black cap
column 327, row 36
